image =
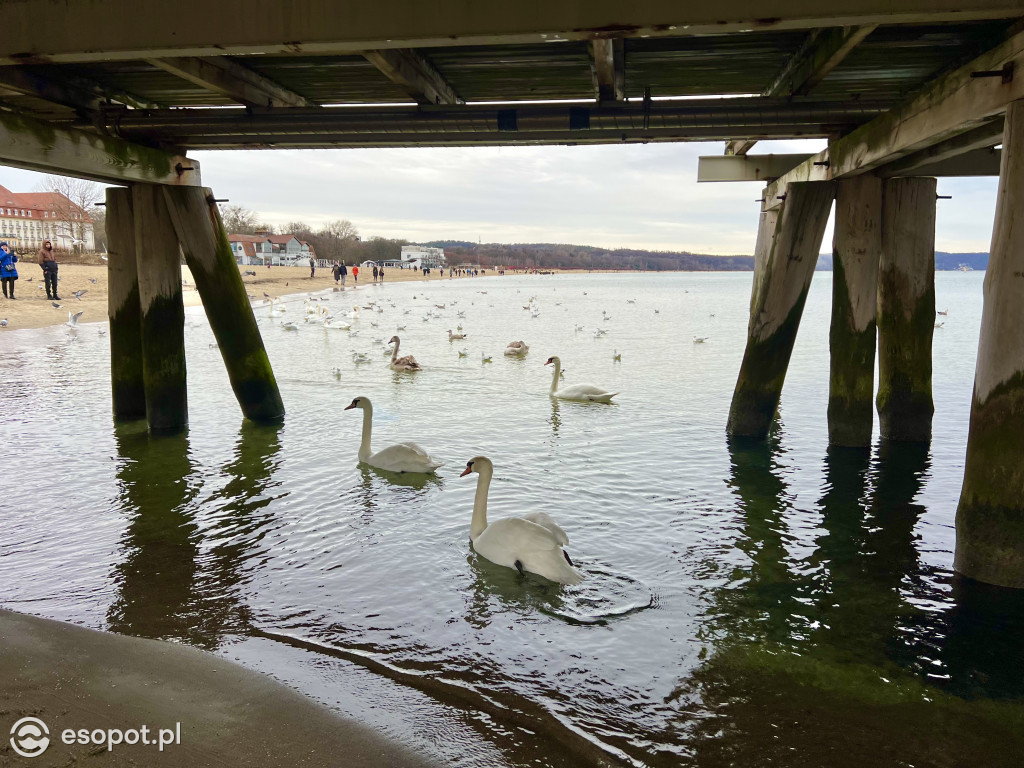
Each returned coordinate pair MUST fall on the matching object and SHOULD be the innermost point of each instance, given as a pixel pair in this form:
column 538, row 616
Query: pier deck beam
column 786, row 254
column 163, row 313
column 127, row 384
column 857, row 244
column 208, row 255
column 990, row 517
column 906, row 309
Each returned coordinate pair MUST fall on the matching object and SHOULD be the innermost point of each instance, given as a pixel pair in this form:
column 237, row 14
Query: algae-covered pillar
column 906, row 309
column 208, row 255
column 127, row 385
column 163, row 313
column 990, row 517
column 785, row 257
column 857, row 243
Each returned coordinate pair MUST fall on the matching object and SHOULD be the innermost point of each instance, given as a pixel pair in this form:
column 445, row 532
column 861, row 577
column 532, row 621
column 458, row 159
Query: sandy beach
column 33, row 310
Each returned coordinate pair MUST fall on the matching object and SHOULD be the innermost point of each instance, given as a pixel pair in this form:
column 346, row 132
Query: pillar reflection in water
column 181, row 575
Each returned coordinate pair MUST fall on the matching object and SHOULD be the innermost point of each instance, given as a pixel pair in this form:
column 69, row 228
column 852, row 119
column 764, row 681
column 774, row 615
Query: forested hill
column 556, row 256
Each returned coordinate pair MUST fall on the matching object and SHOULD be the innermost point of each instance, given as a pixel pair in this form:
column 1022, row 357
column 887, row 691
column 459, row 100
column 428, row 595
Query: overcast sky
column 641, row 196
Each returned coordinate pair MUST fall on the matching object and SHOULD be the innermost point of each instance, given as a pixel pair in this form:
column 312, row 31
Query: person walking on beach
column 344, row 274
column 355, row 274
column 375, row 273
column 312, row 267
column 336, row 271
column 48, row 261
column 8, row 272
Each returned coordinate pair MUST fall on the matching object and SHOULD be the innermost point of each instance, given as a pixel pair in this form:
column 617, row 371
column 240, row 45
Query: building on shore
column 417, row 257
column 276, row 250
column 27, row 219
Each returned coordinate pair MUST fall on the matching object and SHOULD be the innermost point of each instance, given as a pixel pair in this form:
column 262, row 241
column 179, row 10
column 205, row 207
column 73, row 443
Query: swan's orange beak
column 349, row 406
column 466, row 471
column 548, row 362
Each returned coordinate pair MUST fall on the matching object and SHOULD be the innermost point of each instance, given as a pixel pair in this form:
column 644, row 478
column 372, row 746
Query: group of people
column 341, row 273
column 9, row 271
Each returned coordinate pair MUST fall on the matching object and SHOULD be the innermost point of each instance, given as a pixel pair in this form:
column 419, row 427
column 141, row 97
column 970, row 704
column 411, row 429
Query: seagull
column 940, row 312
column 462, row 352
column 79, row 294
column 290, row 326
column 336, row 372
column 55, row 304
column 103, row 257
column 700, row 339
column 29, row 280
column 360, row 357
column 266, row 295
column 485, row 358
column 939, row 325
column 616, row 356
column 3, row 323
column 579, row 327
column 249, row 272
column 91, row 280
column 600, row 332
column 73, row 320
column 657, row 311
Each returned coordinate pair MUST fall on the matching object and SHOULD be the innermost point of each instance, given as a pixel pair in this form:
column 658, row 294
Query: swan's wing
column 405, row 457
column 407, row 360
column 585, row 392
column 544, row 519
column 519, row 534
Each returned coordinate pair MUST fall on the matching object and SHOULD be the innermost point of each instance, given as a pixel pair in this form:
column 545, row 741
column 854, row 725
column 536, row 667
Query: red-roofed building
column 29, row 218
column 271, row 249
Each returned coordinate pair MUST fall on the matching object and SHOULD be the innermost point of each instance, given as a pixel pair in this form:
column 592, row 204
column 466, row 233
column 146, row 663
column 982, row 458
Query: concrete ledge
column 75, row 678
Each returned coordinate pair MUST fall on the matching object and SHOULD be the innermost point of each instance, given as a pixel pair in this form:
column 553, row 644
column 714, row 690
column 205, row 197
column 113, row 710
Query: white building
column 417, row 256
column 29, row 218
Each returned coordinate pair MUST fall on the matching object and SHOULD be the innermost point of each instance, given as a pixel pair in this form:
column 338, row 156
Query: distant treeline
column 560, row 256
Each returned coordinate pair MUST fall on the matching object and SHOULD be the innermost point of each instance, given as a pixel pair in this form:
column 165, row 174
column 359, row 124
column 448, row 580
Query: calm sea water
column 743, row 604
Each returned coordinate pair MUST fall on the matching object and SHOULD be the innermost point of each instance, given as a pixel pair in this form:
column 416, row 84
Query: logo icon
column 30, row 737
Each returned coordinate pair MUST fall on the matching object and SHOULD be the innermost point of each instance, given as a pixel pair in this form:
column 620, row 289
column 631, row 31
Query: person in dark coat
column 8, row 270
column 48, row 261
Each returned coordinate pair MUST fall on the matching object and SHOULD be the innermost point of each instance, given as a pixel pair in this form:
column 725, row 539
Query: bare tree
column 242, row 221
column 71, row 207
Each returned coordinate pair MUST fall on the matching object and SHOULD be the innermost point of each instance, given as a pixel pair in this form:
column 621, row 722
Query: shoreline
column 33, row 310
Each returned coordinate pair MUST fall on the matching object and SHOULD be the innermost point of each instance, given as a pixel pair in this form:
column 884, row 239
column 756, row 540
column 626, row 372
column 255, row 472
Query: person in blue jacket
column 8, row 272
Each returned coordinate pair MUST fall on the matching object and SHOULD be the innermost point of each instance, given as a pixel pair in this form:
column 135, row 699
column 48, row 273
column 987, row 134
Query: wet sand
column 75, row 678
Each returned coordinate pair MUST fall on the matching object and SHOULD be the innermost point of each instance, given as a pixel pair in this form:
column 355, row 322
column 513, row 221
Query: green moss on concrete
column 128, row 386
column 905, row 329
column 990, row 516
column 762, row 374
column 234, row 326
column 163, row 353
column 852, row 369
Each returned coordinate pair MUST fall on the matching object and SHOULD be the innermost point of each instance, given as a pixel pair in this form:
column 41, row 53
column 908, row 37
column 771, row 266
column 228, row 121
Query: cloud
column 634, row 195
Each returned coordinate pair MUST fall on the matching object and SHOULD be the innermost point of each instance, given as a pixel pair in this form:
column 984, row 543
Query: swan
column 402, row 457
column 533, row 542
column 407, row 363
column 454, row 336
column 583, row 392
column 516, row 349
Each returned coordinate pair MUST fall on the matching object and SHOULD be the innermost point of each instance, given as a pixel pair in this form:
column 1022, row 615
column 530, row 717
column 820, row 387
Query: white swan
column 403, row 457
column 407, row 363
column 583, row 392
column 517, row 349
column 529, row 543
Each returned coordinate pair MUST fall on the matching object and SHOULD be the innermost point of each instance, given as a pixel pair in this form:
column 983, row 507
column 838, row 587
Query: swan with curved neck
column 407, row 363
column 533, row 542
column 402, row 457
column 588, row 393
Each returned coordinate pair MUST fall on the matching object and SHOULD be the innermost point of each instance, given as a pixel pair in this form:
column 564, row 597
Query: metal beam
column 39, row 146
column 951, row 105
column 746, row 167
column 414, row 74
column 608, row 60
column 689, row 120
column 228, row 77
column 821, row 52
column 739, row 147
column 109, row 30
column 78, row 93
column 980, row 162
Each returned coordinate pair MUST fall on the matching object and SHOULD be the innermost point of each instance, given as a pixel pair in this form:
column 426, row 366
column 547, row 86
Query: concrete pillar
column 856, row 246
column 906, row 310
column 990, row 518
column 127, row 386
column 208, row 255
column 787, row 251
column 163, row 314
